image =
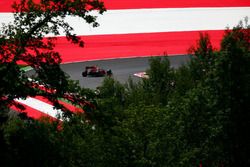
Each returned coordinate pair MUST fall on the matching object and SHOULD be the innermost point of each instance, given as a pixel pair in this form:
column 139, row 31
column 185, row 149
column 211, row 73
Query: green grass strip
column 26, row 68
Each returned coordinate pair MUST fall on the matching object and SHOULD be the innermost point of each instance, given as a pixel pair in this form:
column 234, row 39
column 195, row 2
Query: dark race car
column 94, row 71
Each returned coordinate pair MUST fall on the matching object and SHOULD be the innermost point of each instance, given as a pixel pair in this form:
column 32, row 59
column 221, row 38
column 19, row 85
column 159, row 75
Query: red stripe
column 5, row 5
column 132, row 45
column 135, row 4
column 31, row 112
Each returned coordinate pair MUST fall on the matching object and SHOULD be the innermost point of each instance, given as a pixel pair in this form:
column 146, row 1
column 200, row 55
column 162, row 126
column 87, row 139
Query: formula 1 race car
column 94, row 71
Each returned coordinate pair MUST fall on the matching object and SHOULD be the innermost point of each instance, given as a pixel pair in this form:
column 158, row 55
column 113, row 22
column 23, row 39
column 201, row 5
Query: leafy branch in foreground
column 24, row 42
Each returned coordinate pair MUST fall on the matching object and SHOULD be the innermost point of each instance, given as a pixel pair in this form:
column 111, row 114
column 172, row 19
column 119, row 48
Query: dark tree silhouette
column 24, row 42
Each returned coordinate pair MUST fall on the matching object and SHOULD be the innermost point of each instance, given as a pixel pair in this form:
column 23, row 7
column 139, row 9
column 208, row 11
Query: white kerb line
column 41, row 106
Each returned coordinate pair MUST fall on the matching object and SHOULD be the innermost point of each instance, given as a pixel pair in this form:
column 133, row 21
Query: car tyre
column 84, row 73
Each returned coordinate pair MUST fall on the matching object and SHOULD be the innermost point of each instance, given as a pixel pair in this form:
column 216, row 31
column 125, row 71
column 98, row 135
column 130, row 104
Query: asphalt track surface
column 122, row 69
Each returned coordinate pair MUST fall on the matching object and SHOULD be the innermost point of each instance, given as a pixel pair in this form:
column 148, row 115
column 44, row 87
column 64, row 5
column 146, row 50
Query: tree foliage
column 23, row 42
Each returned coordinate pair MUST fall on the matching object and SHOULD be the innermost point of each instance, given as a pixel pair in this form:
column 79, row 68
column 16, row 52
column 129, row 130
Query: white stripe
column 157, row 20
column 162, row 20
column 41, row 106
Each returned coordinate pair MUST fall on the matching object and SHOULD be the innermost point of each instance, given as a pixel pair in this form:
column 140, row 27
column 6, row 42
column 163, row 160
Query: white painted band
column 41, row 106
column 157, row 20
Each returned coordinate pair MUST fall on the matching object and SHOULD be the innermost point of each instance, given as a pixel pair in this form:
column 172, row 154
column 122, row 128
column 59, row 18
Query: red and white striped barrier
column 135, row 28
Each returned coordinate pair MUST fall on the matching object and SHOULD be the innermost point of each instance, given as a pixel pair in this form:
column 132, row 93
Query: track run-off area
column 139, row 28
column 133, row 30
